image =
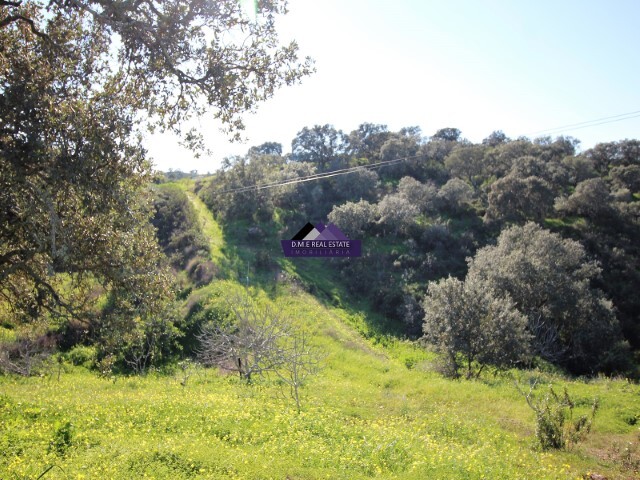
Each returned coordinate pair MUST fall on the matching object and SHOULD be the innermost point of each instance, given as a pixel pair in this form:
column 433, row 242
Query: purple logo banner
column 321, row 241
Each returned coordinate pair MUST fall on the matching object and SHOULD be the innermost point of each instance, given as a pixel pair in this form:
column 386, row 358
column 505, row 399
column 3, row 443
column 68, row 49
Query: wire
column 374, row 166
column 602, row 123
column 588, row 123
column 319, row 176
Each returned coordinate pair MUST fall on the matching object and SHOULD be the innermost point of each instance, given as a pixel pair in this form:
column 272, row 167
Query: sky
column 523, row 67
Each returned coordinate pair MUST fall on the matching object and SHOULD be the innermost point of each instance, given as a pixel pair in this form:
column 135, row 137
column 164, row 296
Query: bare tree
column 299, row 361
column 25, row 356
column 260, row 341
column 252, row 345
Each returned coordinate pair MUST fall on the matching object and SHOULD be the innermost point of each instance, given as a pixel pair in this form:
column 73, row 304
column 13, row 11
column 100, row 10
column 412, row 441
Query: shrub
column 83, row 356
column 555, row 428
column 468, row 320
column 62, row 438
column 26, row 356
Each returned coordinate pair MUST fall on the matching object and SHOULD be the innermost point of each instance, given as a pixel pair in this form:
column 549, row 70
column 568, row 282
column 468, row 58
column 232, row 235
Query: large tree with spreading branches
column 80, row 83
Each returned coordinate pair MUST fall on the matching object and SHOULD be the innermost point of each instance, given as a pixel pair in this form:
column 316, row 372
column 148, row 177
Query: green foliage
column 517, row 199
column 82, row 355
column 470, row 320
column 549, row 279
column 454, row 195
column 421, row 195
column 424, row 216
column 591, row 199
column 72, row 170
column 397, row 214
column 448, row 134
column 80, row 82
column 364, row 415
column 555, row 427
column 178, row 229
column 354, row 219
column 320, row 145
column 359, row 185
column 468, row 163
column 62, row 438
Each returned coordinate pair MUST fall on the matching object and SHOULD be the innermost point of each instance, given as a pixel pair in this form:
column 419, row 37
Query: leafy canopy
column 79, row 80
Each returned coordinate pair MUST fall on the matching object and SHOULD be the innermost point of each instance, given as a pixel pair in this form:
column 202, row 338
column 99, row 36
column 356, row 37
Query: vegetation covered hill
column 489, row 272
column 558, row 227
column 376, row 409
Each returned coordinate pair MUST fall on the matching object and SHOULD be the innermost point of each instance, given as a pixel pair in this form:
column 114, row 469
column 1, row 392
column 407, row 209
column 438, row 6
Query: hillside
column 428, row 208
column 377, row 409
column 482, row 321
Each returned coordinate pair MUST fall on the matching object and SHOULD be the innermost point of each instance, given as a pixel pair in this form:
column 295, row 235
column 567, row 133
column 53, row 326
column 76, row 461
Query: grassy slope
column 365, row 415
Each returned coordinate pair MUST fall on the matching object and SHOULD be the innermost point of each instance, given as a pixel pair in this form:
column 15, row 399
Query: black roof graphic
column 304, row 231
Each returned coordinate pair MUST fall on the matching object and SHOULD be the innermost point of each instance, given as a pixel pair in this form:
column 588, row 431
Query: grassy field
column 377, row 409
column 366, row 414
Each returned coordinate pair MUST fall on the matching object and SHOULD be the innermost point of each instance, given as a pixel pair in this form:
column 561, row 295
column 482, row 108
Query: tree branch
column 15, row 18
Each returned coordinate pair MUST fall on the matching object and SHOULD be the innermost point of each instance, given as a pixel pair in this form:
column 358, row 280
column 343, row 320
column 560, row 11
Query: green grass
column 365, row 415
column 377, row 409
column 209, row 225
column 566, row 222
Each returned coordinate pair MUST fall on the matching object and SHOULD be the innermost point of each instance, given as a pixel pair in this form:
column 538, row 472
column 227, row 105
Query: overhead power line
column 588, row 123
column 319, row 176
column 374, row 166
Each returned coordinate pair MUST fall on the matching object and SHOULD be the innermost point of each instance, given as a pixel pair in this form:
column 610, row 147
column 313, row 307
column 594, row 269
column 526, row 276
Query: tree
column 579, row 168
column 496, row 138
column 626, row 177
column 260, row 340
column 354, row 218
column 506, row 155
column 611, row 154
column 267, row 148
column 549, row 279
column 515, row 199
column 320, row 144
column 401, row 146
column 251, row 345
column 468, row 163
column 179, row 57
column 558, row 149
column 358, row 185
column 454, row 194
column 555, row 173
column 591, row 199
column 448, row 134
column 299, row 361
column 469, row 319
column 396, row 213
column 77, row 78
column 422, row 195
column 367, row 140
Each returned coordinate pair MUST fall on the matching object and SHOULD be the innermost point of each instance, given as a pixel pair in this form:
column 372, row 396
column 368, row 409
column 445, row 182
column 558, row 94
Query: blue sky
column 519, row 66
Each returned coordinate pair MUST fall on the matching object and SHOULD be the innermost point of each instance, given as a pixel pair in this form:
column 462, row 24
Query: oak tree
column 80, row 80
